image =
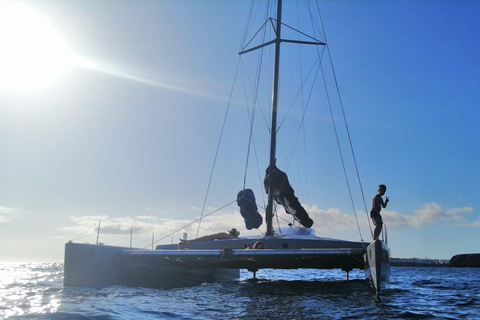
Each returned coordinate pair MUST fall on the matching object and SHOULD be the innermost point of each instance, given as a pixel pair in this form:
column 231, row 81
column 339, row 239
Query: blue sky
column 127, row 130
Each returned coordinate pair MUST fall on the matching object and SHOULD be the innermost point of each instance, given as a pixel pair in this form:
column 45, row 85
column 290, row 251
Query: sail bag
column 248, row 209
column 284, row 194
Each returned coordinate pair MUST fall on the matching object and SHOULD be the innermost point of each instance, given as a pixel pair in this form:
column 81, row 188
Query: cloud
column 475, row 224
column 146, row 225
column 428, row 214
column 330, row 219
column 4, row 211
column 110, row 225
column 335, row 219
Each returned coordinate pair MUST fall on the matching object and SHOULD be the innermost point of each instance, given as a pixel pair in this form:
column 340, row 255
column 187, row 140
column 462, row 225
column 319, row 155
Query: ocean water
column 35, row 291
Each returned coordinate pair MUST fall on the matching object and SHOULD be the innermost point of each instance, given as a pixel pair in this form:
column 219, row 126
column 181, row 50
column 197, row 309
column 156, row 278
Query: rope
column 88, row 235
column 189, row 224
column 348, row 134
column 217, row 150
column 255, row 89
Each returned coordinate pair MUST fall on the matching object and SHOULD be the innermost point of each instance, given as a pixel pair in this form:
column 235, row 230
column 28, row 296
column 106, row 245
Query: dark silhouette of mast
column 273, row 134
column 273, row 128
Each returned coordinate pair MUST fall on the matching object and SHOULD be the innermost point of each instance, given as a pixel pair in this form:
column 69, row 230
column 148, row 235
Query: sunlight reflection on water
column 27, row 288
column 35, row 291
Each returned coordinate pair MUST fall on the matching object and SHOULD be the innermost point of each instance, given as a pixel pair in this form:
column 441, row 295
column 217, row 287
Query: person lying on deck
column 234, row 233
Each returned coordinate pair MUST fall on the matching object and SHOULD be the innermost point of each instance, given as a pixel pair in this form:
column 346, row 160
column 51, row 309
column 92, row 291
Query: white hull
column 377, row 265
column 98, row 266
column 89, row 265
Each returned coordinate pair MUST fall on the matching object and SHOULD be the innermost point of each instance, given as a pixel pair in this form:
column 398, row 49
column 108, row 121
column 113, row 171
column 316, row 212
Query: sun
column 32, row 53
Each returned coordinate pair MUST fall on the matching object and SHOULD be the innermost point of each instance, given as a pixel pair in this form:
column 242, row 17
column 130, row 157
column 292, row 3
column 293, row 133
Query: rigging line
column 304, row 107
column 218, row 147
column 247, row 29
column 255, row 153
column 302, row 122
column 85, row 236
column 189, row 224
column 260, row 180
column 245, row 73
column 284, row 219
column 89, row 228
column 259, row 172
column 341, row 153
column 247, row 24
column 345, row 121
column 277, row 218
column 315, row 27
column 252, row 117
column 315, row 41
column 255, row 89
column 300, row 90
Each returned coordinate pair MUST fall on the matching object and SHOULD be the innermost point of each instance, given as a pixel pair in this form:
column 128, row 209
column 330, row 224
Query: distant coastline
column 418, row 262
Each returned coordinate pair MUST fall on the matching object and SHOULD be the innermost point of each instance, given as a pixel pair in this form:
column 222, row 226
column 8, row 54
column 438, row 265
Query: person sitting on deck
column 234, row 233
column 258, row 245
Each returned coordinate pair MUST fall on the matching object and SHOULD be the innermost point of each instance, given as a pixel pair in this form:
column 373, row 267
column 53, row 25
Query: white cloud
column 429, row 213
column 475, row 224
column 330, row 219
column 4, row 212
column 146, row 225
column 334, row 219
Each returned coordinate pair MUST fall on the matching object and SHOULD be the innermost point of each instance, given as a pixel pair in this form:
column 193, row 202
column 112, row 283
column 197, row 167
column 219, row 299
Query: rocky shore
column 471, row 260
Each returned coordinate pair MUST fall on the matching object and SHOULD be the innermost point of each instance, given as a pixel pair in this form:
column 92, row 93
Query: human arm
column 384, row 204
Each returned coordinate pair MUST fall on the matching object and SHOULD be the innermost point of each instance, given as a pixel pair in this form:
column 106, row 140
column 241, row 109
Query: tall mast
column 273, row 134
column 273, row 128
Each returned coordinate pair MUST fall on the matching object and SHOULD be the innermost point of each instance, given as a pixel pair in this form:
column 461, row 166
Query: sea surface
column 35, row 291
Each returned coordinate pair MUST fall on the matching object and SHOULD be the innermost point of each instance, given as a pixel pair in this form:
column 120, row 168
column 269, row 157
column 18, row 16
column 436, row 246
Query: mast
column 273, row 128
column 273, row 134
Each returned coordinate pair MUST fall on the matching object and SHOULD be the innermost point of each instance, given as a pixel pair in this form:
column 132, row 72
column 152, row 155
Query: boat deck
column 252, row 260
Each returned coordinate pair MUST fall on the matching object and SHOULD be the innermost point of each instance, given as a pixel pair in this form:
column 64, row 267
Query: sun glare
column 32, row 54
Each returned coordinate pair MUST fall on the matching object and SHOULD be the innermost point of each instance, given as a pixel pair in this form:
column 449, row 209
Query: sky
column 111, row 112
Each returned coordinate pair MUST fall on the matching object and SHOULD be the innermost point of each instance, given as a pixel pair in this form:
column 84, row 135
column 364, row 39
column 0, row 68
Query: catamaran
column 295, row 246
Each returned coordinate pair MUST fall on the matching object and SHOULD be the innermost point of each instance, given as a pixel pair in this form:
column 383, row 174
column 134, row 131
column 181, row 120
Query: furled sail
column 248, row 209
column 284, row 194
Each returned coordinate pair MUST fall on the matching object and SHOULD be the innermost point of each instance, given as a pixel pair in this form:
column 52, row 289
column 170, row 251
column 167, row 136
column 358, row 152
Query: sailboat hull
column 98, row 266
column 88, row 265
column 377, row 265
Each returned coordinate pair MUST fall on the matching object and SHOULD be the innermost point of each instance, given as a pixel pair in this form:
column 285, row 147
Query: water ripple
column 35, row 291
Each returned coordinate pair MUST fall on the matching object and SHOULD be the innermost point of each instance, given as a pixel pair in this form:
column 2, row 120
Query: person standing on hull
column 377, row 205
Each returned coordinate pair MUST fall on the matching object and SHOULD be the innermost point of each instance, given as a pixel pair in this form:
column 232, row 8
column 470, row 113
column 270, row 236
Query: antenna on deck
column 98, row 232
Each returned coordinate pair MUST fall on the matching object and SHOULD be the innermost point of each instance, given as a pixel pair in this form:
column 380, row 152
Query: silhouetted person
column 377, row 204
column 234, row 233
column 258, row 245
